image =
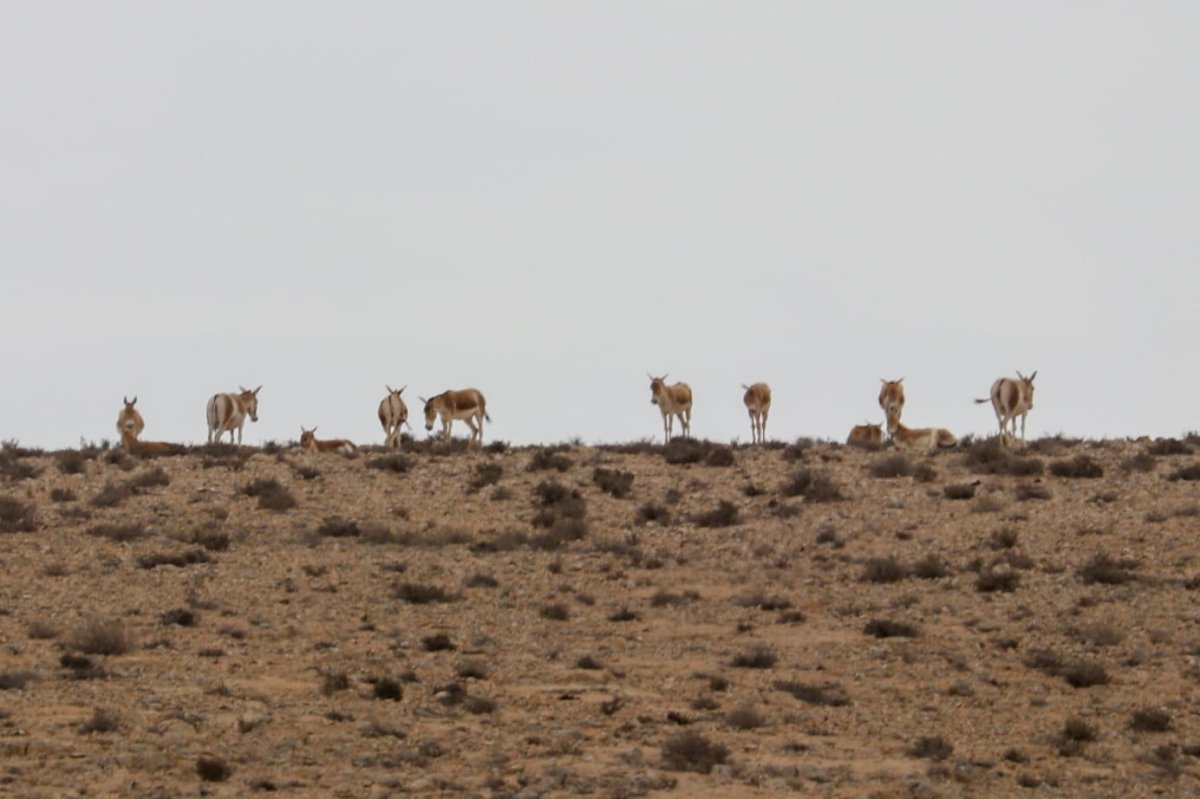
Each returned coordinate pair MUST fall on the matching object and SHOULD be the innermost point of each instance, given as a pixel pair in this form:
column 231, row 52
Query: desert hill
column 617, row 621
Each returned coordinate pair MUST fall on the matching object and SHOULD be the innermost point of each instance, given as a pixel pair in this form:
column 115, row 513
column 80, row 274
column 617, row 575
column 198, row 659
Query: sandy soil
column 577, row 648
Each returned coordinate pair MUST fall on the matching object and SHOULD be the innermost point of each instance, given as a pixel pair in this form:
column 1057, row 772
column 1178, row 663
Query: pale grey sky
column 546, row 200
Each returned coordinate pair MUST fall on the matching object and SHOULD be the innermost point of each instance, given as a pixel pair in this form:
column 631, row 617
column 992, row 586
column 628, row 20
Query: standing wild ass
column 228, row 412
column 758, row 402
column 467, row 404
column 1012, row 398
column 672, row 401
column 393, row 413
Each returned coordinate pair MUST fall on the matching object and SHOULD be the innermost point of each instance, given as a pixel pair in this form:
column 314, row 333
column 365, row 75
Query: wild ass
column 865, row 435
column 891, row 397
column 393, row 413
column 672, row 401
column 310, row 443
column 1012, row 398
column 929, row 437
column 149, row 449
column 228, row 412
column 467, row 404
column 129, row 420
column 758, row 403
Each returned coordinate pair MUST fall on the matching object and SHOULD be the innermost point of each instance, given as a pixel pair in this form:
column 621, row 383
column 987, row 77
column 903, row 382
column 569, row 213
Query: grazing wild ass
column 891, row 397
column 310, row 443
column 129, row 420
column 393, row 413
column 467, row 404
column 1012, row 398
column 865, row 435
column 672, row 401
column 929, row 437
column 758, row 403
column 228, row 412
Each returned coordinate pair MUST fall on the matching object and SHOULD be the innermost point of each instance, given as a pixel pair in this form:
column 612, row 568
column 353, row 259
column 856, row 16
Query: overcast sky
column 547, row 200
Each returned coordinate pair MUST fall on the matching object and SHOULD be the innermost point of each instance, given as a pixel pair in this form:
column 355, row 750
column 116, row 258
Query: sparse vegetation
column 101, row 721
column 396, row 463
column 271, row 494
column 989, row 457
column 1150, row 720
column 16, row 516
column 691, row 751
column 1105, row 570
column 759, row 657
column 1081, row 466
column 883, row 570
column 100, row 636
column 615, row 482
column 549, row 458
column 886, row 628
column 1188, row 473
column 826, row 694
column 931, row 747
column 485, row 474
column 724, row 515
column 959, row 491
column 890, row 466
column 745, row 717
column 420, row 594
column 653, row 512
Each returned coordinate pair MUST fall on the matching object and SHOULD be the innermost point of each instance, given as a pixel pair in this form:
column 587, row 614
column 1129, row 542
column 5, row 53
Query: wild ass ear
column 389, row 388
column 401, row 391
column 422, row 399
column 650, row 376
column 1030, row 380
column 135, row 395
column 125, row 400
column 255, row 393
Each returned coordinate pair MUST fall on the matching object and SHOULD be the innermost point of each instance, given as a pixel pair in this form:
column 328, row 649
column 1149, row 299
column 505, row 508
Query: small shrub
column 745, row 717
column 188, row 557
column 759, row 657
column 1085, row 674
column 653, row 512
column 1099, row 634
column 472, row 669
column 71, row 461
column 691, row 751
column 387, row 689
column 930, row 567
column 332, row 682
column 481, row 580
column 555, row 612
column 97, row 636
column 827, row 694
column 1150, row 720
column 959, row 490
column 885, row 628
column 1004, row 538
column 17, row 470
column 613, row 481
column 995, row 580
column 437, row 643
column 1105, row 570
column 1142, row 463
column 485, row 474
column 16, row 516
column 418, row 594
column 16, row 680
column 41, row 630
column 1028, row 491
column 272, row 495
column 1188, row 473
column 151, row 478
column 589, row 663
column 547, row 459
column 180, row 616
column 883, row 570
column 684, row 451
column 212, row 769
column 761, row 601
column 336, row 527
column 101, row 721
column 112, row 495
column 62, row 495
column 478, row 705
column 724, row 515
column 719, row 457
column 1081, row 466
column 624, row 614
column 989, row 457
column 1168, row 446
column 118, row 532
column 931, row 747
column 395, row 463
column 896, row 465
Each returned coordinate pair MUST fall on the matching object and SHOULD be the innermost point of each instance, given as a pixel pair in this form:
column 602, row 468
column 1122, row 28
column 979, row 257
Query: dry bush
column 1150, row 720
column 1081, row 466
column 1075, row 733
column 41, row 630
column 555, row 612
column 653, row 512
column 337, row 527
column 211, row 539
column 271, row 494
column 422, row 594
column 1188, row 473
column 14, row 469
column 1168, row 446
column 827, row 694
column 931, row 747
column 724, row 515
column 62, row 495
column 691, row 751
column 387, row 689
column 883, row 570
column 683, row 451
column 212, row 769
column 549, row 458
column 997, row 580
column 472, row 670
column 112, row 495
column 758, row 657
column 758, row 599
column 118, row 532
column 613, row 481
column 663, row 599
column 484, row 474
column 989, row 457
column 151, row 478
column 812, row 486
column 395, row 463
column 101, row 721
column 1097, row 634
column 99, row 636
column 334, row 681
column 1141, row 463
column 897, row 465
column 187, row 557
column 1104, row 570
column 439, row 642
column 624, row 614
column 506, row 540
column 478, row 705
column 16, row 516
column 886, row 628
column 930, row 567
column 745, row 717
column 1004, row 538
column 1028, row 491
column 720, row 457
column 71, row 461
column 1085, row 673
column 589, row 663
column 792, row 617
column 959, row 490
column 16, row 680
column 798, row 451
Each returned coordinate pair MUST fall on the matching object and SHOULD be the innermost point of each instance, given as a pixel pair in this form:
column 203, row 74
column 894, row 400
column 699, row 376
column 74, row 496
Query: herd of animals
column 1011, row 398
